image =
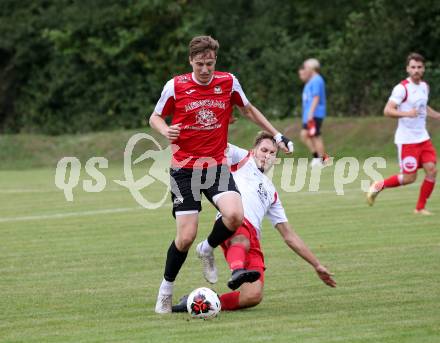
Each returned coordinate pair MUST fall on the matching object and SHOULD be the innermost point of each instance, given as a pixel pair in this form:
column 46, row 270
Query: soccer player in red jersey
column 200, row 104
column 409, row 103
column 243, row 251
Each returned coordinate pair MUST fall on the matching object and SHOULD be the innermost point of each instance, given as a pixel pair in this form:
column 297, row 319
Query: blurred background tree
column 76, row 66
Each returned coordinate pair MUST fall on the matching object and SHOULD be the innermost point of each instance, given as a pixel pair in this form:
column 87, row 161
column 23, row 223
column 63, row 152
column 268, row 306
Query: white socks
column 166, row 287
column 206, row 248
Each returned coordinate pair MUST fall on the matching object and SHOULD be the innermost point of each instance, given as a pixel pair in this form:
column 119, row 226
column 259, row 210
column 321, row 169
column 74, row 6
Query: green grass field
column 88, row 270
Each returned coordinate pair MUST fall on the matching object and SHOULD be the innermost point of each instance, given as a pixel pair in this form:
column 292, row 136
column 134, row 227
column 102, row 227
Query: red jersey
column 204, row 112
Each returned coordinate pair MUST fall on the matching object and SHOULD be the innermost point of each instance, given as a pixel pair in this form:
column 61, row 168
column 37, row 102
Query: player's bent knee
column 253, row 298
column 234, row 219
column 256, row 298
column 409, row 178
column 183, row 244
column 432, row 172
column 184, row 241
column 237, row 219
column 251, row 294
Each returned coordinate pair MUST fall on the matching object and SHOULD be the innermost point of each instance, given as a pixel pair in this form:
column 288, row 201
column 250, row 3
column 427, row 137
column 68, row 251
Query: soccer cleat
column 316, row 162
column 326, row 160
column 181, row 306
column 208, row 262
column 423, row 212
column 163, row 304
column 240, row 276
column 373, row 193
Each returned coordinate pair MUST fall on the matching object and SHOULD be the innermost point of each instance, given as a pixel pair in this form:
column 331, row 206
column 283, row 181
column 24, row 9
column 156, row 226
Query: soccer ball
column 203, row 303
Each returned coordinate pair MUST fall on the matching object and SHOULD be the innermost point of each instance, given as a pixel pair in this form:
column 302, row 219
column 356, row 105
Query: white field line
column 122, row 189
column 24, row 190
column 131, row 209
column 71, row 214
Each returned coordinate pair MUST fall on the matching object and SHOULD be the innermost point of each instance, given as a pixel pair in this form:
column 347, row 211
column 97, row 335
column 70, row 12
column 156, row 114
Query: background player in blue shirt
column 313, row 110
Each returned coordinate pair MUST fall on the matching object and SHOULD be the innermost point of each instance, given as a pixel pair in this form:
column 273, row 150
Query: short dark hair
column 261, row 136
column 202, row 44
column 416, row 57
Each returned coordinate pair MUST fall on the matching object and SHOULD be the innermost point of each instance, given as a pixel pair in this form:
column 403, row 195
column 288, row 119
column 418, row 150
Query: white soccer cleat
column 326, row 160
column 208, row 262
column 373, row 193
column 423, row 212
column 316, row 162
column 164, row 303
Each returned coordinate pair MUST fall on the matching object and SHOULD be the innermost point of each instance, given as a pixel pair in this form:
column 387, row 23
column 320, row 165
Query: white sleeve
column 235, row 154
column 276, row 213
column 167, row 92
column 398, row 94
column 236, row 87
column 427, row 88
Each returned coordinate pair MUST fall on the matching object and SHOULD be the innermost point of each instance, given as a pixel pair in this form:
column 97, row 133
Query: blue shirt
column 314, row 87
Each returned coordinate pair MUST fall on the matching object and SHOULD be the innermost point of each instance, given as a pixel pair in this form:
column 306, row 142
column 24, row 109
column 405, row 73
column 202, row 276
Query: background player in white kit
column 409, row 103
column 260, row 199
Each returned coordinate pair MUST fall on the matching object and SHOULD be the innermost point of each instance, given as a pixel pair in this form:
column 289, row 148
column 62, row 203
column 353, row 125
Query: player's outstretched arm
column 253, row 114
column 299, row 247
column 391, row 110
column 170, row 132
column 432, row 113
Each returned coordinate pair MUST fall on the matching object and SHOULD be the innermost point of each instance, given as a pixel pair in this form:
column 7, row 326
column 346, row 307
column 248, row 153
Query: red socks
column 236, row 256
column 392, row 181
column 425, row 191
column 230, row 301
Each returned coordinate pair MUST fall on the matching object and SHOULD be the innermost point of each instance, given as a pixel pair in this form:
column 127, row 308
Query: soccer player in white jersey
column 243, row 251
column 409, row 103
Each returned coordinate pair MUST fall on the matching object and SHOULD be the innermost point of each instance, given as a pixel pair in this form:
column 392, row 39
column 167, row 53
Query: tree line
column 71, row 66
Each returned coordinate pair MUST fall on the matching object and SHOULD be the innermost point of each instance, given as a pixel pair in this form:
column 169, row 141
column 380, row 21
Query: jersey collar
column 252, row 157
column 193, row 76
column 413, row 83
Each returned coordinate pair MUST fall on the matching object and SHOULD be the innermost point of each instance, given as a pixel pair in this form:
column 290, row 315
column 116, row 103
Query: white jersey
column 408, row 95
column 259, row 196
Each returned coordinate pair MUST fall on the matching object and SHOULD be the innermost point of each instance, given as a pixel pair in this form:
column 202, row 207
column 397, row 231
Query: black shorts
column 318, row 123
column 187, row 186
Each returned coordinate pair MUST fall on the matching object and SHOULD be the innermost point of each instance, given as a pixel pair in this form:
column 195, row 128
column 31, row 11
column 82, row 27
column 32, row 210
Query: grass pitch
column 88, row 271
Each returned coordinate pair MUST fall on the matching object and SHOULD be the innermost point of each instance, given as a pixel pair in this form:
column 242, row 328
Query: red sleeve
column 236, row 99
column 275, row 198
column 168, row 109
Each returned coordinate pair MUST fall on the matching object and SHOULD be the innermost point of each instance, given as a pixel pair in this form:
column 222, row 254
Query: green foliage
column 76, row 66
column 89, row 270
column 25, row 151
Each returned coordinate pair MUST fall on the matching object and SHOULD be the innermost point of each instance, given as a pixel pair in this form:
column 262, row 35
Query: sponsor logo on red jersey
column 206, row 117
column 205, row 103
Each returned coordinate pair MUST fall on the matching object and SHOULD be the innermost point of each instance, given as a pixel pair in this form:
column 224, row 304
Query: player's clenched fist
column 284, row 143
column 172, row 132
